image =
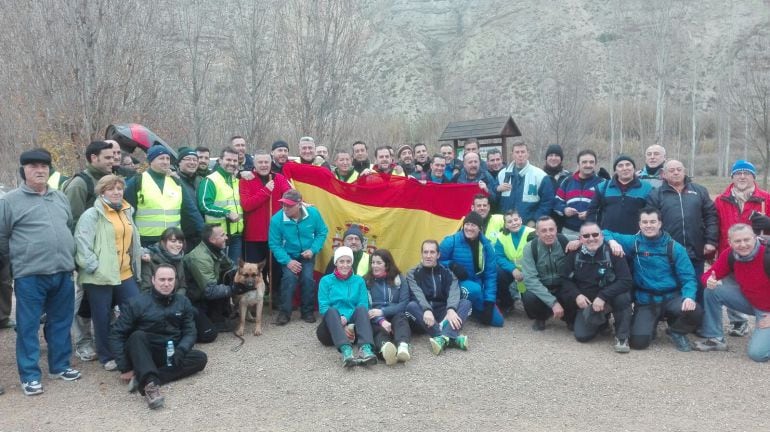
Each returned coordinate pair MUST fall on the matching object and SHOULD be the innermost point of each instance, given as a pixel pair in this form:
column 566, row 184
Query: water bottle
column 170, row 353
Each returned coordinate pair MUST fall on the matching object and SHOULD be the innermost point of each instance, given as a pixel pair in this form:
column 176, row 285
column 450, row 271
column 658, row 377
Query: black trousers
column 149, row 361
column 646, row 319
column 504, row 297
column 401, row 331
column 331, row 333
column 619, row 306
column 537, row 310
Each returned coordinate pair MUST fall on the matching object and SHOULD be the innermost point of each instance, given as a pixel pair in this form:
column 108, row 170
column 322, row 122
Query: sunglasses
column 589, row 235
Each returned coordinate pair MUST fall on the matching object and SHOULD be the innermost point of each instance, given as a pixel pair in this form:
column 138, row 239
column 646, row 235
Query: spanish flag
column 394, row 212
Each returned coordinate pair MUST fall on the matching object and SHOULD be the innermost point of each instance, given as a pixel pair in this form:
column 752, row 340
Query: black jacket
column 690, row 217
column 593, row 277
column 434, row 287
column 162, row 318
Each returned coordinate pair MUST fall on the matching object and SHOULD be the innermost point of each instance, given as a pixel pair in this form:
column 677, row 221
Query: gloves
column 759, row 222
column 459, row 271
column 488, row 312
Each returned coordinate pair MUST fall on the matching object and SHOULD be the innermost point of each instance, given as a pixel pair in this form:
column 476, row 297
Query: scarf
column 342, row 277
column 167, row 256
column 379, row 274
column 584, row 250
column 742, row 196
column 474, row 244
column 108, row 203
column 652, row 171
column 553, row 171
column 750, row 257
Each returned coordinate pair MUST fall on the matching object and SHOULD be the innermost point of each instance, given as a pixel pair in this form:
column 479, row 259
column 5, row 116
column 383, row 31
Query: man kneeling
column 152, row 339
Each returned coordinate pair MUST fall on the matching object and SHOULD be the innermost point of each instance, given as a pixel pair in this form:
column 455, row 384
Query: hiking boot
column 31, row 388
column 111, row 365
column 347, row 356
column 438, row 343
column 7, row 324
column 68, row 375
column 681, row 342
column 739, row 329
column 85, row 353
column 152, row 394
column 621, row 346
column 711, row 344
column 282, row 319
column 309, row 318
column 388, row 351
column 365, row 356
column 538, row 325
column 459, row 342
column 403, row 352
column 133, row 384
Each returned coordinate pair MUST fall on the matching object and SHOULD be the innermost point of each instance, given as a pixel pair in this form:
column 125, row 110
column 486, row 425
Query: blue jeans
column 53, row 295
column 729, row 294
column 289, row 282
column 235, row 248
column 475, row 294
column 100, row 298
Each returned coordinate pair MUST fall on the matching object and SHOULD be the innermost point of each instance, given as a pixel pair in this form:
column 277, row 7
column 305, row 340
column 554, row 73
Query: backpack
column 606, row 269
column 90, row 189
column 562, row 239
column 669, row 253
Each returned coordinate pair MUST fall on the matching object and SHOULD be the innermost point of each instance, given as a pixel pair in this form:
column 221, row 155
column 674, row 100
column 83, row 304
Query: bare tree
column 564, row 100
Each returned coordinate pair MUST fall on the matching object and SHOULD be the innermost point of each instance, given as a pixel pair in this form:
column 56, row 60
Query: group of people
column 154, row 253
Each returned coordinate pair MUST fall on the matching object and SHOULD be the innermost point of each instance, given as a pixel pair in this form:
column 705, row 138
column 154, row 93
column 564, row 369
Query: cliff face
column 494, row 56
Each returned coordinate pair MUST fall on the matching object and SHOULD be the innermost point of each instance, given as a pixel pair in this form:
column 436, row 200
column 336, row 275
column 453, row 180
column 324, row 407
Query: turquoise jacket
column 345, row 296
column 288, row 238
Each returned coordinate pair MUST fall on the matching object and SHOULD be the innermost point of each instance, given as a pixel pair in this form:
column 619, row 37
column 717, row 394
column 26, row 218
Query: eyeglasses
column 589, row 235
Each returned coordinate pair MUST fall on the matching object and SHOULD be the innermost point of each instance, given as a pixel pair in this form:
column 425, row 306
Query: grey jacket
column 35, row 232
column 545, row 271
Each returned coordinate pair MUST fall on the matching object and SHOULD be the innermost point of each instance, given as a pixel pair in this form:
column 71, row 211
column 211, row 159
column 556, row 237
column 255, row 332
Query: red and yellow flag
column 396, row 213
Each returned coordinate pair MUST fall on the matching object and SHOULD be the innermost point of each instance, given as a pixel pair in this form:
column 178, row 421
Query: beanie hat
column 354, row 230
column 280, row 144
column 622, row 158
column 186, row 151
column 341, row 252
column 156, row 151
column 35, row 155
column 743, row 165
column 474, row 218
column 401, row 149
column 554, row 149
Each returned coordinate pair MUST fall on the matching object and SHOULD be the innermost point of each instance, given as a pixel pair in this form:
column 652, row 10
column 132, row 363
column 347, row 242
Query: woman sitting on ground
column 389, row 295
column 108, row 258
column 343, row 300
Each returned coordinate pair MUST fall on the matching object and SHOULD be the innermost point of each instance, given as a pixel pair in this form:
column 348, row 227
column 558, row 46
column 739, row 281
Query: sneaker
column 110, row 365
column 347, row 356
column 85, row 353
column 403, row 352
column 365, row 356
column 68, row 375
column 32, row 388
column 538, row 325
column 388, row 351
column 459, row 342
column 152, row 394
column 7, row 324
column 711, row 344
column 739, row 329
column 621, row 346
column 282, row 319
column 309, row 318
column 681, row 342
column 133, row 385
column 438, row 343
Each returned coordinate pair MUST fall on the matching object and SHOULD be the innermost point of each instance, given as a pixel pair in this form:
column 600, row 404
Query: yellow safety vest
column 514, row 254
column 494, row 228
column 363, row 265
column 157, row 210
column 53, row 180
column 353, row 177
column 228, row 197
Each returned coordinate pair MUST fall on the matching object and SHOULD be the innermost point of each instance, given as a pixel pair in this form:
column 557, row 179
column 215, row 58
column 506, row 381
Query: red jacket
column 256, row 206
column 729, row 214
column 751, row 277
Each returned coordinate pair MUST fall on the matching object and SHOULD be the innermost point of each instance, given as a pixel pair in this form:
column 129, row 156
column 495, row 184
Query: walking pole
column 270, row 251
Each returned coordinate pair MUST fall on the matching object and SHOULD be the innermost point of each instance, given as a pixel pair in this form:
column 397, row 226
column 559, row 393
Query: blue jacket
column 392, row 299
column 483, row 175
column 532, row 194
column 616, row 210
column 576, row 193
column 288, row 238
column 454, row 249
column 345, row 296
column 653, row 270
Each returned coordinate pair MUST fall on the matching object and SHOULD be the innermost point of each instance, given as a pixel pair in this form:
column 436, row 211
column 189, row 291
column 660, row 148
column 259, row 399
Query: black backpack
column 89, row 186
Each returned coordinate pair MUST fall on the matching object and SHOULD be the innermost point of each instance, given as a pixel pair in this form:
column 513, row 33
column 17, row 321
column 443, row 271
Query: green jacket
column 79, row 194
column 202, row 268
column 207, row 194
column 97, row 254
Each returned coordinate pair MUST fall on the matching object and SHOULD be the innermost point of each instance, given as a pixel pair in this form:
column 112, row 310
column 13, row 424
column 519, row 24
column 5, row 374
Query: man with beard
column 354, row 239
column 616, row 204
column 245, row 160
column 204, row 156
column 405, row 159
column 280, row 153
column 360, row 157
column 472, row 173
column 654, row 158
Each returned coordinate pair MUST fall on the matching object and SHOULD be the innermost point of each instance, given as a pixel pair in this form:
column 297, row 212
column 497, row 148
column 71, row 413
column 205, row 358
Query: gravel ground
column 511, row 379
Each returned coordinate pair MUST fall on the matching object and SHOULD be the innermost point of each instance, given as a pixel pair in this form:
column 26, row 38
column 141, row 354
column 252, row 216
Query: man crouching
column 152, row 339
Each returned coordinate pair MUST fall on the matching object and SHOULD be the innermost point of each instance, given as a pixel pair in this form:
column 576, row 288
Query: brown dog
column 250, row 288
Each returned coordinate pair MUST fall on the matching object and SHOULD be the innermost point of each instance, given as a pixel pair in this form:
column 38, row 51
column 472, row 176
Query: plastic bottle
column 170, row 353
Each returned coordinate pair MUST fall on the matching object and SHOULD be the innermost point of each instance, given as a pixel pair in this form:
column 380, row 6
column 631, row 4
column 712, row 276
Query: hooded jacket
column 454, row 249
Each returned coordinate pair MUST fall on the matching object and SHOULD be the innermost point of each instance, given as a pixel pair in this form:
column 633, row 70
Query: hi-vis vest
column 53, row 180
column 353, row 176
column 229, row 198
column 514, row 254
column 157, row 210
column 363, row 265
